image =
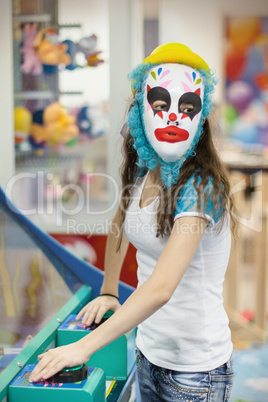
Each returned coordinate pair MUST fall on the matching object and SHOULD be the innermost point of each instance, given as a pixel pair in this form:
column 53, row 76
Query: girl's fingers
column 80, row 314
column 95, row 310
column 100, row 314
column 38, row 370
column 51, row 362
column 52, row 369
column 89, row 316
column 84, row 310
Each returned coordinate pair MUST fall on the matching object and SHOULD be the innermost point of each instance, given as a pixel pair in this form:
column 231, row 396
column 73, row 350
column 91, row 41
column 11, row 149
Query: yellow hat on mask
column 176, row 53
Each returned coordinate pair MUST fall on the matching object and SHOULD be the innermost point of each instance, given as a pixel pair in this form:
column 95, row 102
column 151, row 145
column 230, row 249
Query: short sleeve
column 187, row 204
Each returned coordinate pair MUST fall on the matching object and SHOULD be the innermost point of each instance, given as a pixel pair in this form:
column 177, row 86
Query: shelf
column 69, row 26
column 41, row 95
column 42, row 18
column 30, row 95
column 70, row 93
column 29, row 160
column 32, row 18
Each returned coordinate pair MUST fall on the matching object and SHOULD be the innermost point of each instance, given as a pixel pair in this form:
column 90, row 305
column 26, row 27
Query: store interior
column 64, row 92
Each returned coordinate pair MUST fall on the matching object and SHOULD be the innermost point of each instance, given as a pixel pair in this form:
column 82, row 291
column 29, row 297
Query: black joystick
column 70, row 374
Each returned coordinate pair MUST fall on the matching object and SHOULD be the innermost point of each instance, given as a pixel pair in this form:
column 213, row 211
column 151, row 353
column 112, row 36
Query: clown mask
column 173, row 99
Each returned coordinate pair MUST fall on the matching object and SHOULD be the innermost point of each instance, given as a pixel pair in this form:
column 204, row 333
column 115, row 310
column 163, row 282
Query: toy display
column 52, row 114
column 48, row 124
column 54, row 125
column 43, row 52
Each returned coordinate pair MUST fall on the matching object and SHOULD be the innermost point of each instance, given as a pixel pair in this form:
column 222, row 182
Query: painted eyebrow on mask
column 159, row 93
column 194, row 99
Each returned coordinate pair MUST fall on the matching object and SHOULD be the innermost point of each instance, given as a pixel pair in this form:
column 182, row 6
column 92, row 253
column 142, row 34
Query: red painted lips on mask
column 171, row 134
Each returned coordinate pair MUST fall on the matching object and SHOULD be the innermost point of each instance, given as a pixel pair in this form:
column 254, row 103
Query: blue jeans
column 158, row 384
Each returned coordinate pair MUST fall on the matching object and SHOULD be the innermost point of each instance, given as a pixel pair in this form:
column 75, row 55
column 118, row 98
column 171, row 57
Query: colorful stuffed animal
column 86, row 46
column 52, row 126
column 31, row 63
column 48, row 51
column 60, row 126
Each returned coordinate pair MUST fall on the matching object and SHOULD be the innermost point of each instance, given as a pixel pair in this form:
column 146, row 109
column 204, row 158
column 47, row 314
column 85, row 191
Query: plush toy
column 52, row 126
column 48, row 51
column 60, row 126
column 39, row 133
column 86, row 46
column 22, row 124
column 31, row 63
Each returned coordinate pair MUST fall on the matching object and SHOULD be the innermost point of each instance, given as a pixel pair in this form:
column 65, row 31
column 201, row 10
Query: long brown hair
column 205, row 164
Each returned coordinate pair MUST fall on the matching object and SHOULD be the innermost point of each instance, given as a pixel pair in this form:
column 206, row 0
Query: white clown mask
column 173, row 99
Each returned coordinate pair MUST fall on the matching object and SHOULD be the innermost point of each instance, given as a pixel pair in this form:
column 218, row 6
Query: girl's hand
column 55, row 360
column 95, row 310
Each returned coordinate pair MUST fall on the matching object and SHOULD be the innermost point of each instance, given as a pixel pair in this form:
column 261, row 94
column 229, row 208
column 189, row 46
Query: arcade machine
column 42, row 288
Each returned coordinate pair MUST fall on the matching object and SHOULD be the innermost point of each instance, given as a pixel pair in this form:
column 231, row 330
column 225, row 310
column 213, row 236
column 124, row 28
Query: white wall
column 126, row 50
column 6, row 95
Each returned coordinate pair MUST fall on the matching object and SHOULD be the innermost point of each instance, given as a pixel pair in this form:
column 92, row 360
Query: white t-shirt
column 190, row 332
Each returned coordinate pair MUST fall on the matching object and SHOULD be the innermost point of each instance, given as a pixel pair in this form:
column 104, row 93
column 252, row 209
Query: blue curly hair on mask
column 147, row 157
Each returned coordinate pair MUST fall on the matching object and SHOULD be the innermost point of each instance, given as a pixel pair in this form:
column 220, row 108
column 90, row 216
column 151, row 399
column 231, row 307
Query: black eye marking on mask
column 194, row 99
column 159, row 93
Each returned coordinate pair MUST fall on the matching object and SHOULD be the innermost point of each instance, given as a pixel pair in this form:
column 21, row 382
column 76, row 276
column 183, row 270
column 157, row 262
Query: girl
column 174, row 208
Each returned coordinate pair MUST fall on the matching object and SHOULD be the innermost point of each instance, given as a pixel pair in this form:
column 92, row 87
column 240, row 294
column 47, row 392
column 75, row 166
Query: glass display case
column 61, row 92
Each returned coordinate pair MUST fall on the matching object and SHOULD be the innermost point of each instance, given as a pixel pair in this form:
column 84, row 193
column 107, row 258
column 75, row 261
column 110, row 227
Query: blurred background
column 63, row 98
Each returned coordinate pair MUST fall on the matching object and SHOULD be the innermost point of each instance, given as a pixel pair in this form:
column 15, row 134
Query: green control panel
column 116, row 359
column 91, row 387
